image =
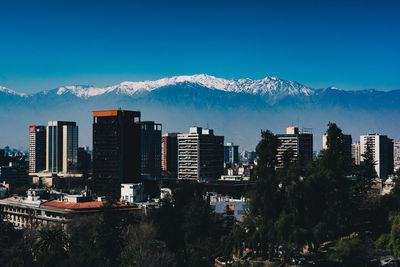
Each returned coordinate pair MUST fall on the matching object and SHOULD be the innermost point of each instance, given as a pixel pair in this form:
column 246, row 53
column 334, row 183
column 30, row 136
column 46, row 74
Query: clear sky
column 347, row 44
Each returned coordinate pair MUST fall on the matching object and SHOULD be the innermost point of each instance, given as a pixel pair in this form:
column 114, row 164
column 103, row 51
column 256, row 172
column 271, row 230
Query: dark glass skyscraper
column 116, row 150
column 151, row 148
column 169, row 154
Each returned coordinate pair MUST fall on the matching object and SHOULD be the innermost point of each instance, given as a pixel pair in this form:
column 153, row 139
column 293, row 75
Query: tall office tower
column 382, row 149
column 301, row 144
column 347, row 141
column 62, row 147
column 231, row 154
column 169, row 154
column 84, row 161
column 200, row 155
column 116, row 150
column 2, row 157
column 396, row 156
column 151, row 148
column 356, row 153
column 37, row 148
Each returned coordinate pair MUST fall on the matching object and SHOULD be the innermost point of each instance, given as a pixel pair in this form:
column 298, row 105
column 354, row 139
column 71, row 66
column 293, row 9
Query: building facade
column 151, row 148
column 169, row 154
column 356, row 153
column 301, row 145
column 116, row 150
column 37, row 148
column 382, row 149
column 396, row 156
column 200, row 155
column 231, row 154
column 62, row 147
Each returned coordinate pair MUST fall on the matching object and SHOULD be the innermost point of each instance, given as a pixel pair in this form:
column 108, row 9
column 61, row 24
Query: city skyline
column 349, row 45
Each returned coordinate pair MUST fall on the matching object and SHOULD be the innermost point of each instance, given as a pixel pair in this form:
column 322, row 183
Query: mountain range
column 235, row 108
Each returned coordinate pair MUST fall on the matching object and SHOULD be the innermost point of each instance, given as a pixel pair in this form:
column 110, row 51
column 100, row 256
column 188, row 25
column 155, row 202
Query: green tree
column 50, row 247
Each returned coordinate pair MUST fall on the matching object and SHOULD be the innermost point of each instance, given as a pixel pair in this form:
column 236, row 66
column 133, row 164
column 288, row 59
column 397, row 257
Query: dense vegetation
column 293, row 208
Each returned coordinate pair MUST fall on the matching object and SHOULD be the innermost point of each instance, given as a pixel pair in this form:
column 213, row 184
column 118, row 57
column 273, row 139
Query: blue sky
column 347, row 44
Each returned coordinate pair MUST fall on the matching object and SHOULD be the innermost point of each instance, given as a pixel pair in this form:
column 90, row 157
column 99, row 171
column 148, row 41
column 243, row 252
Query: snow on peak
column 267, row 86
column 9, row 91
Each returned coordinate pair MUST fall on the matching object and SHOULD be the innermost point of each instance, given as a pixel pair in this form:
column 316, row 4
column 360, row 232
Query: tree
column 141, row 248
column 50, row 247
column 190, row 228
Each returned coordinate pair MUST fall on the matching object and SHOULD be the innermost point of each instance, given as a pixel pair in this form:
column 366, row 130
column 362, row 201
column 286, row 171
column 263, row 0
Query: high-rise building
column 116, row 150
column 169, row 154
column 356, row 152
column 2, row 157
column 151, row 148
column 382, row 150
column 300, row 143
column 200, row 155
column 37, row 148
column 231, row 154
column 84, row 161
column 396, row 156
column 347, row 141
column 62, row 147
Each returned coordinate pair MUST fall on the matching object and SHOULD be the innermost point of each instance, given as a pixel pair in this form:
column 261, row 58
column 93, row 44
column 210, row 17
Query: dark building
column 37, row 148
column 231, row 154
column 151, row 148
column 299, row 143
column 116, row 150
column 84, row 161
column 2, row 157
column 169, row 154
column 15, row 175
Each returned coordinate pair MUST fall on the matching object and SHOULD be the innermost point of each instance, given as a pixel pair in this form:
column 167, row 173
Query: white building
column 132, row 193
column 300, row 143
column 396, row 156
column 228, row 205
column 382, row 150
column 355, row 152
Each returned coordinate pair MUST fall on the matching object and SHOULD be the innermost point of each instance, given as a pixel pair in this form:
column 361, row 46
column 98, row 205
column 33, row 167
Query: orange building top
column 105, row 113
column 108, row 113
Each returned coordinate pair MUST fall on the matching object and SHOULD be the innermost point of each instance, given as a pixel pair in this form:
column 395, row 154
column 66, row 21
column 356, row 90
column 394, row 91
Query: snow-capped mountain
column 10, row 92
column 235, row 108
column 269, row 86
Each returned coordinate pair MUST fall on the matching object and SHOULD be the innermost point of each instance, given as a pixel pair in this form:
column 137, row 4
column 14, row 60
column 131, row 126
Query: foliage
column 191, row 229
column 348, row 247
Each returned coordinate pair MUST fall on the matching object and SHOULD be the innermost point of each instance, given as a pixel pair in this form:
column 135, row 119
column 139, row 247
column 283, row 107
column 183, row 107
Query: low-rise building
column 33, row 211
column 56, row 179
column 132, row 193
column 228, row 205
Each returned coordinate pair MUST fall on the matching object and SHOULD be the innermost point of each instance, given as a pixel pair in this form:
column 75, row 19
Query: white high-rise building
column 62, row 147
column 200, row 155
column 356, row 153
column 37, row 148
column 396, row 156
column 382, row 150
column 301, row 144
